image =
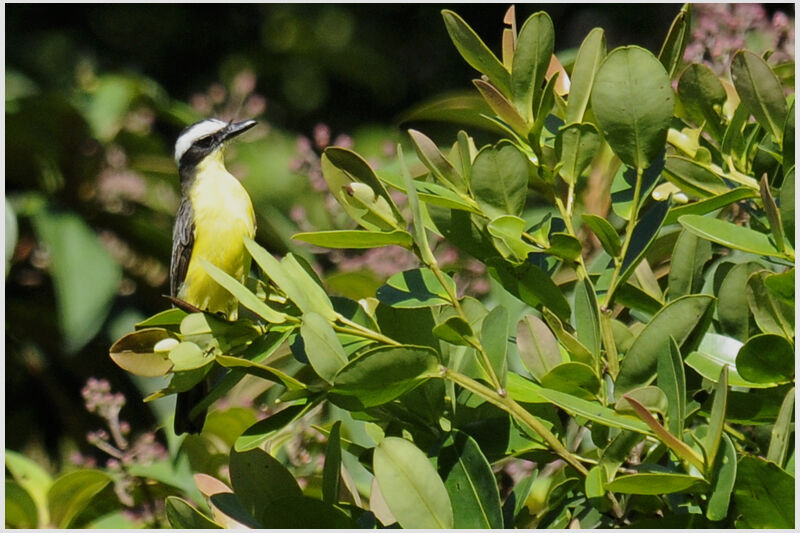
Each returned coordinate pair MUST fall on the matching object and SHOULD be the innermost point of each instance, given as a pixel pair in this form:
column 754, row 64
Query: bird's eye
column 205, row 142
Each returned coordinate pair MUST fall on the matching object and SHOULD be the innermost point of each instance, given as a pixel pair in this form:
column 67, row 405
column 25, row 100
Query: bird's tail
column 183, row 407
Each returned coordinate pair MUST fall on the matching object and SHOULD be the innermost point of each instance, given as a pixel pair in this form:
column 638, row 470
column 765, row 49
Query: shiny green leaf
column 693, row 177
column 575, row 347
column 501, row 106
column 181, row 515
column 644, row 234
column 32, row 478
column 470, row 483
column 414, row 288
column 382, row 374
column 716, row 418
column 494, row 338
column 702, row 96
column 331, row 475
column 781, row 286
column 764, row 495
column 760, row 90
column 506, row 231
column 532, row 54
column 671, row 379
column 259, row 479
column 723, row 478
column 575, row 379
column 781, row 431
column 653, row 398
column 772, row 314
column 355, row 239
column 437, row 163
column 500, row 180
column 713, row 353
column 303, row 512
column 413, row 490
column 766, row 358
column 475, row 52
column 634, row 127
column 136, row 352
column 530, row 284
column 537, row 346
column 324, row 350
column 262, row 430
column 20, row 509
column 677, row 320
column 587, row 319
column 587, row 62
column 593, row 411
column 671, row 53
column 686, row 270
column 71, row 493
column 730, row 235
column 733, row 311
column 605, row 232
column 242, row 293
column 708, row 205
column 655, row 483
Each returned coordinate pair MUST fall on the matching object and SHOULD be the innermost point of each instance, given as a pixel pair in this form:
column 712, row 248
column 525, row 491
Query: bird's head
column 203, row 138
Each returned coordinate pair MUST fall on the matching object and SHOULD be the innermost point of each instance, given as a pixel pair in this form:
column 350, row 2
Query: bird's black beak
column 236, row 128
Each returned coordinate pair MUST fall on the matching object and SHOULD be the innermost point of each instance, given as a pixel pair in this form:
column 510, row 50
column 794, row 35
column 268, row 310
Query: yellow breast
column 223, row 216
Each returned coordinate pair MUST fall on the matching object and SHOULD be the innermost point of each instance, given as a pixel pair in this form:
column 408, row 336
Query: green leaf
column 677, row 319
column 771, row 314
column 262, row 430
column 530, row 284
column 672, row 380
column 701, row 94
column 781, row 286
column 420, row 235
column 786, row 198
column 12, row 234
column 605, row 232
column 760, row 90
column 730, row 235
column 644, row 234
column 355, row 167
column 686, row 270
column 303, row 512
column 575, row 379
column 587, row 62
column 587, row 320
column 414, row 288
column 331, row 474
column 680, row 448
column 136, row 352
column 766, row 358
column 576, row 147
column 532, row 54
column 470, row 483
column 671, row 54
column 494, row 338
column 713, row 353
column 181, row 515
column 20, row 509
column 188, row 356
column 693, row 177
column 456, row 107
column 634, row 127
column 501, row 106
column 475, row 52
column 71, row 493
column 259, row 370
column 764, row 495
column 506, row 231
column 773, row 215
column 722, row 481
column 655, row 483
column 706, row 206
column 437, row 163
column 593, row 411
column 33, row 479
column 564, row 246
column 168, row 317
column 781, row 431
column 733, row 311
column 500, row 180
column 259, row 479
column 85, row 277
column 653, row 398
column 411, row 487
column 574, row 347
column 537, row 346
column 454, row 330
column 716, row 418
column 324, row 350
column 433, row 193
column 293, row 279
column 355, row 239
column 242, row 294
column 382, row 374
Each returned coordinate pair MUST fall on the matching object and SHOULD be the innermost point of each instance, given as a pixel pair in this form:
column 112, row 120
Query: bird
column 214, row 217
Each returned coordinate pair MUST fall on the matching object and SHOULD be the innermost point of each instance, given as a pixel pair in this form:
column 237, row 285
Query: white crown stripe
column 198, row 131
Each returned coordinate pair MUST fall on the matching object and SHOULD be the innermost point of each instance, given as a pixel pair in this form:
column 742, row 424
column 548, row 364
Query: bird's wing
column 182, row 244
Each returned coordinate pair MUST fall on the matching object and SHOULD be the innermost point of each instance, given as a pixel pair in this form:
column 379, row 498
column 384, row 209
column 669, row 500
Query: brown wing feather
column 182, row 244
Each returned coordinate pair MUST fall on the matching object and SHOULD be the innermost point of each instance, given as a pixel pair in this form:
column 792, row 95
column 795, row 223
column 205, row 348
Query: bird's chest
column 223, row 216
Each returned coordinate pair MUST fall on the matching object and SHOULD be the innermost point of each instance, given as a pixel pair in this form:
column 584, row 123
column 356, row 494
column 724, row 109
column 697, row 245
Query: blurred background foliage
column 96, row 95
